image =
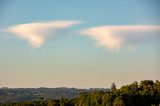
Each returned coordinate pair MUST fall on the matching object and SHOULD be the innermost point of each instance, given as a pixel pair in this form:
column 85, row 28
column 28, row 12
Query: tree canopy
column 145, row 93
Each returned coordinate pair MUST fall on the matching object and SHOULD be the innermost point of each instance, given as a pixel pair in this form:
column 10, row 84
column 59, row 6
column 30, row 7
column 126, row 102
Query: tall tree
column 113, row 87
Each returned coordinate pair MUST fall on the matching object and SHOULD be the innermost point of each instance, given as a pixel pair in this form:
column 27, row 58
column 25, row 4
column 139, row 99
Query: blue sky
column 120, row 43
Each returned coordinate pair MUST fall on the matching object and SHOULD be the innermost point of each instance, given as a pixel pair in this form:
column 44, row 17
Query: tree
column 118, row 102
column 113, row 87
column 50, row 102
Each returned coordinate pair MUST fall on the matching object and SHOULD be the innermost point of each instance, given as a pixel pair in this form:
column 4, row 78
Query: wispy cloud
column 37, row 33
column 115, row 37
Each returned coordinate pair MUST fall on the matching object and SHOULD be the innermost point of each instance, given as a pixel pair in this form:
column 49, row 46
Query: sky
column 78, row 43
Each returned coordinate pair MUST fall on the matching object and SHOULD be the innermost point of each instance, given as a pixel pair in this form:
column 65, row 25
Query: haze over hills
column 8, row 95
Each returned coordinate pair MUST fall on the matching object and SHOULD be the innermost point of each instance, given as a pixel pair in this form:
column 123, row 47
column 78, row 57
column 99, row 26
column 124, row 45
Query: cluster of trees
column 146, row 93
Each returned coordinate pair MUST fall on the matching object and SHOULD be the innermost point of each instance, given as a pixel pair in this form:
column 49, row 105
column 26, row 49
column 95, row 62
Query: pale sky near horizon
column 82, row 44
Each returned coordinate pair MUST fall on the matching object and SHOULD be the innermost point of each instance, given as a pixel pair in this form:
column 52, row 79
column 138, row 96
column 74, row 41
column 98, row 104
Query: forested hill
column 145, row 93
column 8, row 95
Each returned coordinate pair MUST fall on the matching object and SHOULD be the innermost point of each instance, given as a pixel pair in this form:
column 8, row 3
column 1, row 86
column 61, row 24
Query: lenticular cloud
column 37, row 33
column 113, row 38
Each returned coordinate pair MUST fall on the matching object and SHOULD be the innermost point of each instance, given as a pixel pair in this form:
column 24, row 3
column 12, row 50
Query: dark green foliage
column 146, row 93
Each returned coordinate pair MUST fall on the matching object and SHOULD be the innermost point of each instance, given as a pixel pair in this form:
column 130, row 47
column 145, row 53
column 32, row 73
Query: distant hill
column 8, row 95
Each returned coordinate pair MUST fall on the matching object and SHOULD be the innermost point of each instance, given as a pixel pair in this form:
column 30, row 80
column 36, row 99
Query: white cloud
column 116, row 37
column 37, row 33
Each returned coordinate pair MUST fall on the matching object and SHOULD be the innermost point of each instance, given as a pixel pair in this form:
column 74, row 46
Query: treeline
column 145, row 93
column 8, row 95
